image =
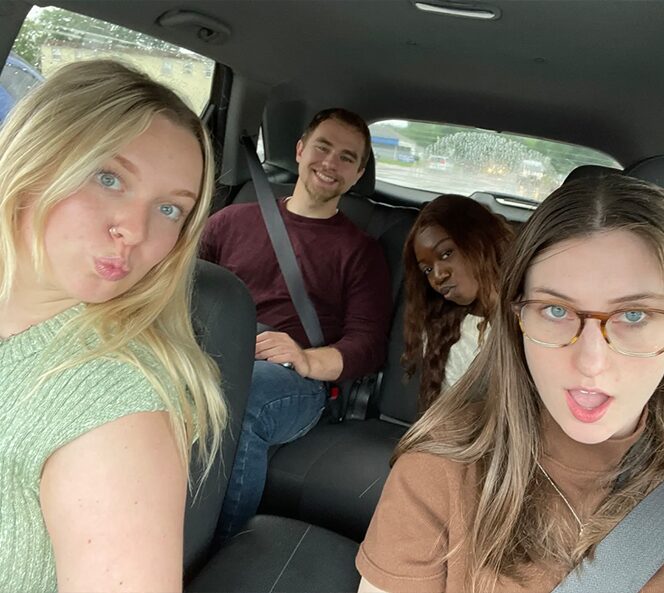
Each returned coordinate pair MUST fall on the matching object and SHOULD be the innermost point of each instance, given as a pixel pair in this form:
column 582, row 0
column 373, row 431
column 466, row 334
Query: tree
column 423, row 134
column 28, row 43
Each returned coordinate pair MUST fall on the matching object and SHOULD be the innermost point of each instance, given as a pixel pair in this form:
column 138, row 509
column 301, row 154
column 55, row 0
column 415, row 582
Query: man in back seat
column 346, row 277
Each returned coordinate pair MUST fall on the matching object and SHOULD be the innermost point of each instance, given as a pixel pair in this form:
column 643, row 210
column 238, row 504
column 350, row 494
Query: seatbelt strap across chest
column 283, row 248
column 628, row 557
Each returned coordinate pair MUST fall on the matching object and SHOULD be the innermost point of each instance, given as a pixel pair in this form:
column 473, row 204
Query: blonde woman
column 105, row 182
column 557, row 430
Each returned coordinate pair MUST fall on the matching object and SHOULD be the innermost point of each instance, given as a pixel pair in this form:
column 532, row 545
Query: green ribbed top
column 32, row 428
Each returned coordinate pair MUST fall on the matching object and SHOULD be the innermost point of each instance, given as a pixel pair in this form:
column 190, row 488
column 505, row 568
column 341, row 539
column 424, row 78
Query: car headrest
column 366, row 184
column 221, row 306
column 590, row 171
column 650, row 169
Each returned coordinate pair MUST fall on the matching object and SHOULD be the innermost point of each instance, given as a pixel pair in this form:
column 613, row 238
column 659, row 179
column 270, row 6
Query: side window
column 52, row 37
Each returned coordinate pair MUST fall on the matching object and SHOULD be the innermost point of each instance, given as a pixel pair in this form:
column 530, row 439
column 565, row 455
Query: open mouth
column 586, row 405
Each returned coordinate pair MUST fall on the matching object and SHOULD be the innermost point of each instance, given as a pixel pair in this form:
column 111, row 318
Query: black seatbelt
column 628, row 557
column 282, row 246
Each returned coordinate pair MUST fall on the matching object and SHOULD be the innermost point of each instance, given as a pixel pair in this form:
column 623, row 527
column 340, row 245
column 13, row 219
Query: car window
column 17, row 78
column 52, row 37
column 455, row 159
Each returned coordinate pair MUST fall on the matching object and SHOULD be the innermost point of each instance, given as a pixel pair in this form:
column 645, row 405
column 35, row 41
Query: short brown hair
column 350, row 119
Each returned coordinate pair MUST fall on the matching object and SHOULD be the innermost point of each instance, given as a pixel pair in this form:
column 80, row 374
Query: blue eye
column 171, row 211
column 556, row 311
column 108, row 180
column 634, row 316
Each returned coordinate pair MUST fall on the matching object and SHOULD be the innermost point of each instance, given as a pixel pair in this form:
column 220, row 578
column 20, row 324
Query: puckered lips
column 446, row 290
column 587, row 405
column 111, row 268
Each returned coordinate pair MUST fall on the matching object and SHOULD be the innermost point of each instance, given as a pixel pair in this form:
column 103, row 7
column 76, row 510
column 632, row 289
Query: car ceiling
column 584, row 71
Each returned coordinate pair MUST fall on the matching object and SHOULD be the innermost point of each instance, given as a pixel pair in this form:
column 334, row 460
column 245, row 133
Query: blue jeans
column 282, row 407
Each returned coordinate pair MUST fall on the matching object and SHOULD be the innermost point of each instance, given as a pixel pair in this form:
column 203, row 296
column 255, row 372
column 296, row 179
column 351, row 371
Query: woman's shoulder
column 435, row 474
column 57, row 405
column 409, row 534
column 108, row 386
column 109, row 381
column 419, row 492
column 428, row 462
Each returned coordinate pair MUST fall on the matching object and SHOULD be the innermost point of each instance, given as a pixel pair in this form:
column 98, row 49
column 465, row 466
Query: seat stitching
column 290, row 558
column 369, row 487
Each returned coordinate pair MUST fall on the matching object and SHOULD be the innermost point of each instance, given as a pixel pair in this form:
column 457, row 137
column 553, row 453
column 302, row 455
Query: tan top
column 425, row 510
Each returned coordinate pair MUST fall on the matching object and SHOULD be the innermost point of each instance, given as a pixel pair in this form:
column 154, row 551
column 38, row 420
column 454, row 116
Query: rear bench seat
column 334, row 475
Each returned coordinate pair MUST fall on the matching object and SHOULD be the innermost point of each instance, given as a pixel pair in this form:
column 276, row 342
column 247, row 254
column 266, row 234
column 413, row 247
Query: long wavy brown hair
column 483, row 238
column 514, row 524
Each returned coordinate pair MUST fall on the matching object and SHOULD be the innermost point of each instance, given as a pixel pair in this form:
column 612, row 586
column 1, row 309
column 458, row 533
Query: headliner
column 584, row 71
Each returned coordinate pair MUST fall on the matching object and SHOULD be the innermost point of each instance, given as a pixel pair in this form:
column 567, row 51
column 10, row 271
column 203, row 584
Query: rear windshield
column 444, row 158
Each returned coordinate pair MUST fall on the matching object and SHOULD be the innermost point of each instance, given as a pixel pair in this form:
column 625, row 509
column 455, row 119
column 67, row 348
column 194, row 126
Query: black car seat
column 271, row 553
column 334, row 475
column 650, row 169
column 583, row 171
column 275, row 554
column 224, row 319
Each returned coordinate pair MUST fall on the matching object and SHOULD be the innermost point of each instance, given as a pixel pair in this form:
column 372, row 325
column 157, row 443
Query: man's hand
column 279, row 347
column 323, row 364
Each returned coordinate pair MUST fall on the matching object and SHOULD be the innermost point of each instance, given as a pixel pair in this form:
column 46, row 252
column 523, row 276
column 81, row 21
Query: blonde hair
column 514, row 524
column 51, row 143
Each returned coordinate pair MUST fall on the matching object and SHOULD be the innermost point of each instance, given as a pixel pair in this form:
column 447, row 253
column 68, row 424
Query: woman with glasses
column 452, row 259
column 557, row 429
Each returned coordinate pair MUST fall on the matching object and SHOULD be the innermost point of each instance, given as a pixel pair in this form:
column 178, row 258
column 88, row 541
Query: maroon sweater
column 344, row 271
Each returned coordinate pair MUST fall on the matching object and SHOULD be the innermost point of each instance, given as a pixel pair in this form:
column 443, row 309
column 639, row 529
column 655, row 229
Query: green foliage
column 423, row 134
column 28, row 43
column 478, row 150
column 565, row 157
